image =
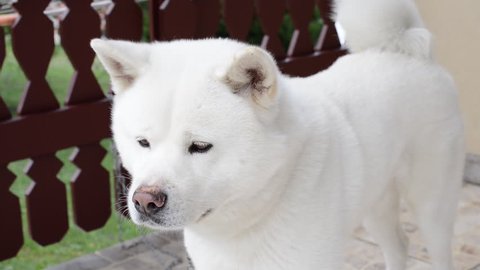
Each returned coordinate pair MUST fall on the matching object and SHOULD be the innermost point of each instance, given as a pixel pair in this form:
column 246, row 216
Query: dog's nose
column 149, row 199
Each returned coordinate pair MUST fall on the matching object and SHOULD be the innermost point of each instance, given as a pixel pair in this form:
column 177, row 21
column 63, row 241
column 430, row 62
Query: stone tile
column 470, row 194
column 361, row 254
column 467, row 229
column 87, row 262
column 414, row 264
column 469, row 243
column 165, row 251
column 417, row 250
column 466, row 244
column 472, row 168
column 348, row 267
column 476, row 267
column 362, row 234
column 164, row 258
column 124, row 250
column 468, row 214
column 463, row 261
column 182, row 266
column 374, row 266
column 146, row 261
column 160, row 239
column 138, row 245
column 133, row 263
column 175, row 248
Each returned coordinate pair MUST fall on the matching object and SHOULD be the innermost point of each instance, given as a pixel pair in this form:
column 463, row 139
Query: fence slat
column 46, row 201
column 328, row 39
column 177, row 19
column 153, row 7
column 119, row 28
column 270, row 14
column 80, row 125
column 12, row 241
column 77, row 29
column 46, row 197
column 124, row 21
column 307, row 65
column 208, row 12
column 90, row 188
column 33, row 50
column 301, row 12
column 238, row 16
column 11, row 238
column 4, row 112
column 2, row 46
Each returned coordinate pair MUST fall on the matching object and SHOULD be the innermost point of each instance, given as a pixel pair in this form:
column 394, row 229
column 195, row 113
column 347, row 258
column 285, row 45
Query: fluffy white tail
column 390, row 25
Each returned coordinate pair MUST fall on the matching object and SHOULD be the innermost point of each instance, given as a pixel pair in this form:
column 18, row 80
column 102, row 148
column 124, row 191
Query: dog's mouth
column 154, row 221
column 151, row 220
column 205, row 214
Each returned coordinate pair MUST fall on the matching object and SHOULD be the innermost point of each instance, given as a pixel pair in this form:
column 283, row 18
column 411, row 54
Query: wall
column 455, row 25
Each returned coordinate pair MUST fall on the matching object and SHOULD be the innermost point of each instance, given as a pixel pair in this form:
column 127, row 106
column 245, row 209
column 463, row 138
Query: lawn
column 76, row 242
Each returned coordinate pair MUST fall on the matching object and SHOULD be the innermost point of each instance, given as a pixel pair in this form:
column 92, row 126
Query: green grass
column 285, row 32
column 59, row 76
column 76, row 242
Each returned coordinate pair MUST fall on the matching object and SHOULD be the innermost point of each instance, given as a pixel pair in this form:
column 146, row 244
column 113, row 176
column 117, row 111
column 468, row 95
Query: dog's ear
column 253, row 72
column 123, row 61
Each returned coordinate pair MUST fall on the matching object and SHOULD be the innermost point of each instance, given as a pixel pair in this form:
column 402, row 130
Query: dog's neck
column 276, row 206
column 235, row 218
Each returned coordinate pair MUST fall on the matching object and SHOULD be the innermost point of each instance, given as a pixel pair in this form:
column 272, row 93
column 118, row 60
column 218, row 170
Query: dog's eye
column 143, row 142
column 199, row 147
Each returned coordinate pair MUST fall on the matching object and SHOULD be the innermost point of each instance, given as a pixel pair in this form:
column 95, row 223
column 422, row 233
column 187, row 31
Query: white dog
column 266, row 172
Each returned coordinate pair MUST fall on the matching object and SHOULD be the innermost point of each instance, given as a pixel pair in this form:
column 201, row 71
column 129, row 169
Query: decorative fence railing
column 44, row 125
column 200, row 19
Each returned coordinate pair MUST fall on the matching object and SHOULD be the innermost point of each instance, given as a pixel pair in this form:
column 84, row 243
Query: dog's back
column 403, row 108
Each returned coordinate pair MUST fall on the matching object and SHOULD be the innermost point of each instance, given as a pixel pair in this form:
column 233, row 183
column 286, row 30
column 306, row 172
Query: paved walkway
column 166, row 252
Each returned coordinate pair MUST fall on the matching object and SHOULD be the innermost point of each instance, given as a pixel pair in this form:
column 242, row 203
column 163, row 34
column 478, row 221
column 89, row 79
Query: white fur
column 296, row 163
column 393, row 25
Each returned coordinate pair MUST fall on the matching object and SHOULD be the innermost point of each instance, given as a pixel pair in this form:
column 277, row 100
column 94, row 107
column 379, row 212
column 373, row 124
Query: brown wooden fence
column 44, row 126
column 200, row 18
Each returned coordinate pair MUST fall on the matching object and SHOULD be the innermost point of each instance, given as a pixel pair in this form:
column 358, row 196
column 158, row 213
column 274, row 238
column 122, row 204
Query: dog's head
column 195, row 125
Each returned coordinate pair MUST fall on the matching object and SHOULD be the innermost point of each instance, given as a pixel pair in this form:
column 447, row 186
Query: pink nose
column 149, row 200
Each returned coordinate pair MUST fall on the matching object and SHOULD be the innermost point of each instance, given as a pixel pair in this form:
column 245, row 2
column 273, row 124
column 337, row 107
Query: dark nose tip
column 149, row 199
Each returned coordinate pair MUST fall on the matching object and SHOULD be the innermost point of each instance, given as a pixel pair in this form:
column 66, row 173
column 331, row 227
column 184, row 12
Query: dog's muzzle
column 149, row 200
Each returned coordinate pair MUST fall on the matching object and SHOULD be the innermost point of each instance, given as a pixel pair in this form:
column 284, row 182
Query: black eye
column 143, row 142
column 199, row 147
